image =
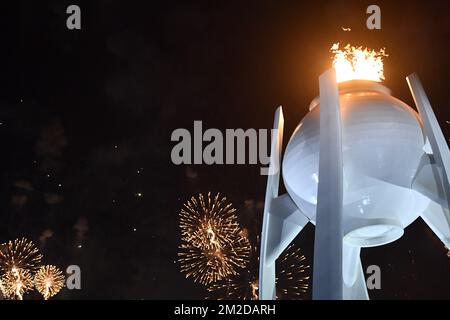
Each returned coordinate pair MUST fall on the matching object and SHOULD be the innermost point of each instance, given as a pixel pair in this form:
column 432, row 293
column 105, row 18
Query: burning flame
column 356, row 63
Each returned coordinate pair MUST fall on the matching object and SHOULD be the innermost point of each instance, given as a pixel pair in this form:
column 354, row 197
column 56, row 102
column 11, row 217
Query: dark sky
column 87, row 117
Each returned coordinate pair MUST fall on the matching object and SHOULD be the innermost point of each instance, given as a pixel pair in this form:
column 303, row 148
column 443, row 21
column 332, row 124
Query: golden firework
column 213, row 246
column 2, row 289
column 16, row 283
column 49, row 280
column 292, row 280
column 19, row 254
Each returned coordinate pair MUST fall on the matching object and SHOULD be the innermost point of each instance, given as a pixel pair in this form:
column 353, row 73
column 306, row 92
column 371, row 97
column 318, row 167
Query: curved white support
column 286, row 222
column 428, row 181
column 435, row 217
column 282, row 219
column 327, row 273
column 267, row 271
column 350, row 260
column 355, row 287
column 439, row 147
column 433, row 178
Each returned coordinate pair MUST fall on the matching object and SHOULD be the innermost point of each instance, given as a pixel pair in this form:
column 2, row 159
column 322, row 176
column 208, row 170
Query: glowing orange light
column 357, row 63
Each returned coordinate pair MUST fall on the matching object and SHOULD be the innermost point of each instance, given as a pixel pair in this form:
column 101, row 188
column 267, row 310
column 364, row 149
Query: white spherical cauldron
column 382, row 145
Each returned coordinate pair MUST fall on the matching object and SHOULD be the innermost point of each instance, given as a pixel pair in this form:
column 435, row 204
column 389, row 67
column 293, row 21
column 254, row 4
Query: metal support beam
column 267, row 270
column 433, row 132
column 327, row 274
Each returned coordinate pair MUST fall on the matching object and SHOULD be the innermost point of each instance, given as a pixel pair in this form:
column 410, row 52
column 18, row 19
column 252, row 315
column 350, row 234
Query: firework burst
column 49, row 280
column 213, row 246
column 16, row 283
column 2, row 289
column 292, row 279
column 19, row 254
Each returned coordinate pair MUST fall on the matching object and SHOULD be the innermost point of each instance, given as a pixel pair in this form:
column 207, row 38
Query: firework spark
column 292, row 279
column 19, row 254
column 2, row 289
column 49, row 280
column 16, row 283
column 213, row 246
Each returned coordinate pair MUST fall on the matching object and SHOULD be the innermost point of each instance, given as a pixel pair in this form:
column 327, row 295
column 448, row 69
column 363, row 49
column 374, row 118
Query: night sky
column 86, row 118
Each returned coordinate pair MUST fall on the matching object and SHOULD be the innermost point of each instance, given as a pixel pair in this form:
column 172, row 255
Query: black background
column 91, row 107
